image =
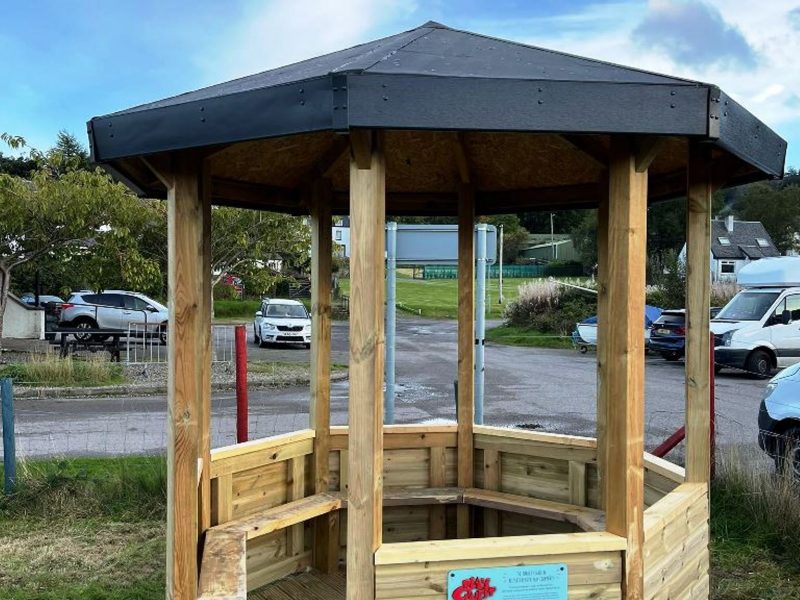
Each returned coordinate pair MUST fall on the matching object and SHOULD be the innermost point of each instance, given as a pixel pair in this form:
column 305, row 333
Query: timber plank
column 223, row 573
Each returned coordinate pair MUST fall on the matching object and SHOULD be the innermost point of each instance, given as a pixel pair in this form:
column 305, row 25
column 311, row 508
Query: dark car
column 668, row 333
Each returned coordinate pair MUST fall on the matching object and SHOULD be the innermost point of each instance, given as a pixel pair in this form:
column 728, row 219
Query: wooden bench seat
column 588, row 519
column 223, row 572
column 279, row 517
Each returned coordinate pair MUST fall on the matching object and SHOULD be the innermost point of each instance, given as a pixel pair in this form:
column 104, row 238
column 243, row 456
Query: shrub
column 722, row 292
column 548, row 307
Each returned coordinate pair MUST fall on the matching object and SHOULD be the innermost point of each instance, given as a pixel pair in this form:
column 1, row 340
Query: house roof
column 274, row 128
column 743, row 240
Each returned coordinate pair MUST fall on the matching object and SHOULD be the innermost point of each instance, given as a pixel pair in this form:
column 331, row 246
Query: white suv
column 282, row 322
column 113, row 309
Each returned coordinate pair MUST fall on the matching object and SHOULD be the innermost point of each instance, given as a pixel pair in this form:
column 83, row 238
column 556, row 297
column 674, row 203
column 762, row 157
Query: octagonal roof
column 433, row 80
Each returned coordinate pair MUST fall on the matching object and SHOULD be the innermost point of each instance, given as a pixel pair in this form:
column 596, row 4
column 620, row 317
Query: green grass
column 52, row 371
column 755, row 532
column 438, row 298
column 522, row 336
column 88, row 529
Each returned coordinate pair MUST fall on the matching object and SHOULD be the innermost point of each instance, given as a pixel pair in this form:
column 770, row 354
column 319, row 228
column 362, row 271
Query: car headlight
column 769, row 389
column 307, row 328
column 269, row 327
column 726, row 337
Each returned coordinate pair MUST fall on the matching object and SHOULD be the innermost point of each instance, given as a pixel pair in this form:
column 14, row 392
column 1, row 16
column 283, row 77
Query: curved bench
column 223, row 573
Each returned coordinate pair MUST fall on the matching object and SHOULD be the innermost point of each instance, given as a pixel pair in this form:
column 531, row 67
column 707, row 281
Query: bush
column 547, row 307
column 225, row 292
column 722, row 292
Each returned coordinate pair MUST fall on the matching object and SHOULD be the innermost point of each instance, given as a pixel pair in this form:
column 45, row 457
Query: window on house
column 727, row 267
column 338, row 236
column 762, row 243
column 724, row 241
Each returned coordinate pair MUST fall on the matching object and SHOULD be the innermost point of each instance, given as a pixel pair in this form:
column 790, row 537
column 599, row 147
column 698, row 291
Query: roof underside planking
column 528, row 127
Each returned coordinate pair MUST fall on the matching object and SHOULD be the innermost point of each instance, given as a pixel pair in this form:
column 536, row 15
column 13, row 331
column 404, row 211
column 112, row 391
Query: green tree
column 777, row 207
column 515, row 236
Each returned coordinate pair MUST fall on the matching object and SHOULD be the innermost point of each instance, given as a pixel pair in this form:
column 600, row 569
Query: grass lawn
column 522, row 336
column 88, row 529
column 438, row 298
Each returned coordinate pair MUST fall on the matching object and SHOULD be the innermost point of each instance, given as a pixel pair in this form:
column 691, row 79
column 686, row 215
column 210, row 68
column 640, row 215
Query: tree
column 778, row 208
column 515, row 236
column 58, row 218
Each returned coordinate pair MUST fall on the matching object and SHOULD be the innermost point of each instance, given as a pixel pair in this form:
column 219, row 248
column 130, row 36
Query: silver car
column 114, row 309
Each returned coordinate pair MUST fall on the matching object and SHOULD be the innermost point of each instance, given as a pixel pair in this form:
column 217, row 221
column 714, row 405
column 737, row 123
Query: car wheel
column 256, row 339
column 583, row 349
column 787, row 461
column 162, row 334
column 759, row 364
column 671, row 356
column 717, row 369
column 87, row 325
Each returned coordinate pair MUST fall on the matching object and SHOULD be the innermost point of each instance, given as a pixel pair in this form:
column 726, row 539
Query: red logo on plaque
column 474, row 588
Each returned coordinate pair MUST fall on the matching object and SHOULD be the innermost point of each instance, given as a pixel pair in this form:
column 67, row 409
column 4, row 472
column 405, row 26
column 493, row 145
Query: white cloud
column 281, row 32
column 766, row 28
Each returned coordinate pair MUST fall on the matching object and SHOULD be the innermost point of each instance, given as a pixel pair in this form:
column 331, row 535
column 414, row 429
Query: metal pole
column 241, row 385
column 552, row 236
column 712, row 400
column 500, row 282
column 480, row 321
column 391, row 316
column 9, row 451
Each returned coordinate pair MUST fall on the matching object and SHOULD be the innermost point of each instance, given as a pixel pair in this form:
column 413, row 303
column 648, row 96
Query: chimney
column 729, row 223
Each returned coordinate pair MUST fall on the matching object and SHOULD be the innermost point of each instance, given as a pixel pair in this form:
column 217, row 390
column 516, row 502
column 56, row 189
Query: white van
column 759, row 329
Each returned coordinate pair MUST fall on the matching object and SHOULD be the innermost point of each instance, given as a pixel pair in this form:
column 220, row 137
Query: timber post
column 624, row 351
column 365, row 449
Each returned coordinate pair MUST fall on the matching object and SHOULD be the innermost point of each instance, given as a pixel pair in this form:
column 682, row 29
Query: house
column 23, row 321
column 734, row 244
column 341, row 234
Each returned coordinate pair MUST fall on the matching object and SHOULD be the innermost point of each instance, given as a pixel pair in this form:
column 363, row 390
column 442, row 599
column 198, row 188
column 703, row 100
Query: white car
column 282, row 322
column 779, row 419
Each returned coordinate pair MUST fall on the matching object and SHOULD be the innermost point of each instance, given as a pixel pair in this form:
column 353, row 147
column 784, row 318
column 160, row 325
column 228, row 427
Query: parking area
column 552, row 390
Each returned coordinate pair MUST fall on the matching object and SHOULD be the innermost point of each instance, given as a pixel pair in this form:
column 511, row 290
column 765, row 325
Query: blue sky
column 66, row 61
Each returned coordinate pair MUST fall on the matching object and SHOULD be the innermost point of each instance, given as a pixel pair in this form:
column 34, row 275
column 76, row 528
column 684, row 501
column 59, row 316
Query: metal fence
column 510, row 271
column 145, row 344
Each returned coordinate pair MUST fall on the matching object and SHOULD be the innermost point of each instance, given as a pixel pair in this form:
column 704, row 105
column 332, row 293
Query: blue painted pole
column 480, row 320
column 391, row 317
column 9, row 451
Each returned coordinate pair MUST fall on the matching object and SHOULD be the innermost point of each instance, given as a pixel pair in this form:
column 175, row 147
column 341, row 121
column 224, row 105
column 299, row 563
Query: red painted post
column 241, row 384
column 713, row 422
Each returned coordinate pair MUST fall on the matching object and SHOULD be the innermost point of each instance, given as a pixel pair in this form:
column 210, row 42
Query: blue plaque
column 526, row 582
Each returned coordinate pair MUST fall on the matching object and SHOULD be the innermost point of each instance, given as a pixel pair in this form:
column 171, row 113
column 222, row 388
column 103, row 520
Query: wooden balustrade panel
column 676, row 535
column 420, row 570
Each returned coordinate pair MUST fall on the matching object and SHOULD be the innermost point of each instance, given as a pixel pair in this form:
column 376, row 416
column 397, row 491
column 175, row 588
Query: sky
column 65, row 61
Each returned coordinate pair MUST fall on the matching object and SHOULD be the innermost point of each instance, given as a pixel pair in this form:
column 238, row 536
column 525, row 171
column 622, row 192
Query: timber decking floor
column 311, row 585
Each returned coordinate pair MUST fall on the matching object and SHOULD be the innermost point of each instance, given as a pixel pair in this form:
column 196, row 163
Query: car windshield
column 748, row 306
column 286, row 311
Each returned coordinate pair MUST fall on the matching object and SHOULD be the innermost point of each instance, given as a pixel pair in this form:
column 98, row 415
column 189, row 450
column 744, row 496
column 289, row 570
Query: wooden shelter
column 435, row 121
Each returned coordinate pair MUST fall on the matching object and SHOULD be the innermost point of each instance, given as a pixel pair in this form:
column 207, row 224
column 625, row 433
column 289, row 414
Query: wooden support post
column 206, row 309
column 698, row 289
column 326, row 527
column 491, row 481
column 602, row 357
column 624, row 349
column 466, row 348
column 577, row 483
column 365, row 496
column 438, row 479
column 188, row 214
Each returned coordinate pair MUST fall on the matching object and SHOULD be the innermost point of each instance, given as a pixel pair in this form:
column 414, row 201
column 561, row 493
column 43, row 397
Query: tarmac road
column 552, row 390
